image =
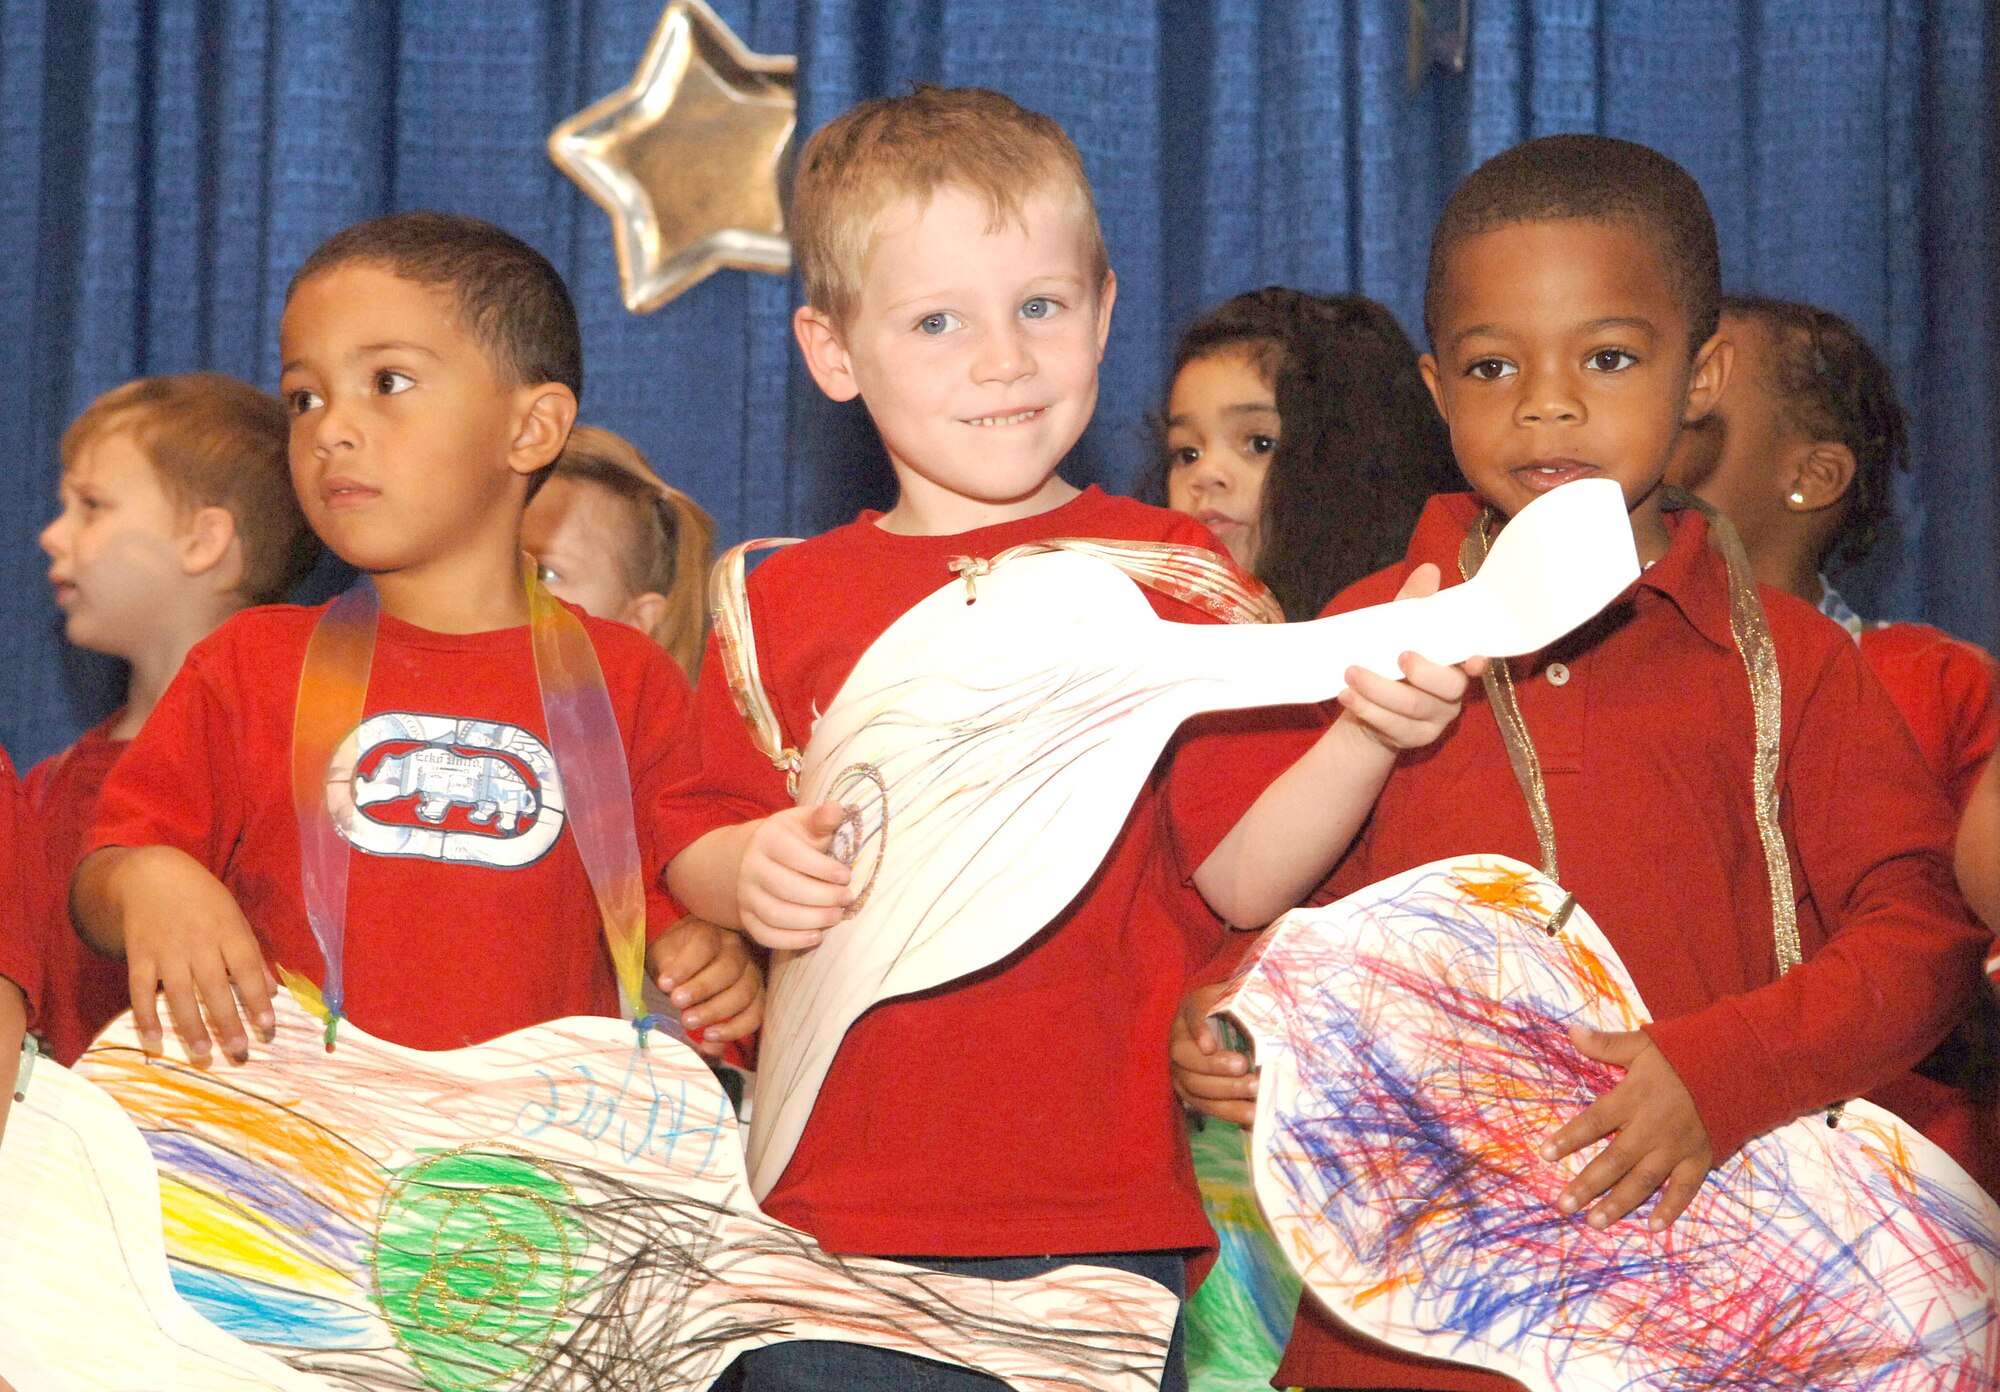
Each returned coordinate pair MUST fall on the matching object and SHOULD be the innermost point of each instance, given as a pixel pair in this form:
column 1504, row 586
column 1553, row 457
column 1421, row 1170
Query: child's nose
column 1548, row 398
column 1004, row 355
column 50, row 539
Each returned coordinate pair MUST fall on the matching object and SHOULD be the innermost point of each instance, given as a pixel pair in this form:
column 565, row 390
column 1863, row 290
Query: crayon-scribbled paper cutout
column 1008, row 737
column 1413, row 1053
column 556, row 1209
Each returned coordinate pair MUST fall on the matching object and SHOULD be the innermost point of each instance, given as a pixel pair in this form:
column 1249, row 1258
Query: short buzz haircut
column 892, row 148
column 508, row 295
column 1592, row 178
column 214, row 442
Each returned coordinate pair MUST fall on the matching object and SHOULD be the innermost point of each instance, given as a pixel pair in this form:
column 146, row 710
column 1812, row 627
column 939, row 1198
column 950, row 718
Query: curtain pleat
column 169, row 164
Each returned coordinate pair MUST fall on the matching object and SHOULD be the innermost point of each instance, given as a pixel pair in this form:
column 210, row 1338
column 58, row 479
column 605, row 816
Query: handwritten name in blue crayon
column 630, row 1112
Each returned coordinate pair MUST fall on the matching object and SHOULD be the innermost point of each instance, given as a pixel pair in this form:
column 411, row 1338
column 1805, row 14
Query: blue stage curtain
column 167, row 165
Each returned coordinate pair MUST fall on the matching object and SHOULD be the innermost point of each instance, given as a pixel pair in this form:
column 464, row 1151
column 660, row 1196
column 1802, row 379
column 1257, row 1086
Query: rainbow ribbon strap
column 583, row 736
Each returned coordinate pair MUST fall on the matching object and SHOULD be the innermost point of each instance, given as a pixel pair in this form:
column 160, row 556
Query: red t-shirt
column 84, row 990
column 469, row 913
column 1025, row 1109
column 1949, row 695
column 1644, row 727
column 27, row 903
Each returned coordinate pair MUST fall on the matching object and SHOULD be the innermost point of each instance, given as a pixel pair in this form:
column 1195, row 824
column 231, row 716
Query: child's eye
column 1489, row 369
column 1182, row 457
column 546, row 573
column 301, row 401
column 389, row 382
column 941, row 322
column 1040, row 307
column 1261, row 444
column 1611, row 360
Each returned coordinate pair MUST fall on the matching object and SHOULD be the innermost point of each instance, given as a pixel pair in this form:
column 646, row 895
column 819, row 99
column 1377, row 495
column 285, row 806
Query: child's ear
column 211, row 546
column 1824, row 474
column 644, row 611
column 1106, row 297
column 825, row 355
column 1427, row 365
column 547, row 412
column 1708, row 376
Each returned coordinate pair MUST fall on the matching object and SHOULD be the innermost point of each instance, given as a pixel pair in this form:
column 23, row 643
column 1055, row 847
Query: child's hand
column 789, row 890
column 1660, row 1138
column 1208, row 1078
column 710, row 975
column 1409, row 714
column 185, row 935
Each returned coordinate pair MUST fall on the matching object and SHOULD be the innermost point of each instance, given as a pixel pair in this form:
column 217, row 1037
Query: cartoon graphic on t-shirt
column 474, row 792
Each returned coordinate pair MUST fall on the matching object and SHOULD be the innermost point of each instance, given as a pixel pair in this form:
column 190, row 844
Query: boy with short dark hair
column 432, row 366
column 957, row 282
column 1572, row 316
column 177, row 512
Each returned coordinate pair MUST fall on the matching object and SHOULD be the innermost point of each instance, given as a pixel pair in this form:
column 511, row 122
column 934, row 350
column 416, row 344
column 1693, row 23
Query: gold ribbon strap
column 1191, row 574
column 1499, row 684
column 1752, row 632
column 736, row 643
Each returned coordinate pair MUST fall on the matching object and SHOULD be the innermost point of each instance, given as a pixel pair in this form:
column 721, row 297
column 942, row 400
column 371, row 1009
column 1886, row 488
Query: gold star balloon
column 687, row 157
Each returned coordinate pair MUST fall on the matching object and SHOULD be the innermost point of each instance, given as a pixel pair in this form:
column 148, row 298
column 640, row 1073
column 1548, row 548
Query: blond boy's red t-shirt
column 84, row 990
column 469, row 913
column 1644, row 727
column 1025, row 1109
column 27, row 904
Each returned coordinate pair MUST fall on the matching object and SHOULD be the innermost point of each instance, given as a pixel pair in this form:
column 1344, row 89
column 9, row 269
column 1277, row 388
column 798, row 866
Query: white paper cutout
column 555, row 1208
column 989, row 752
column 1413, row 1055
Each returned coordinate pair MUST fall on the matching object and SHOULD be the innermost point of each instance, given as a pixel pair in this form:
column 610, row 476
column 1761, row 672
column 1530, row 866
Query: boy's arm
column 1299, row 826
column 737, row 852
column 13, row 1030
column 148, row 888
column 1869, row 830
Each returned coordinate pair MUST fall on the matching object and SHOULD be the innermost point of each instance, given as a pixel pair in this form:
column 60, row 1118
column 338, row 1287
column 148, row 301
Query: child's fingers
column 741, row 1024
column 714, row 976
column 823, row 821
column 680, row 954
column 1638, row 1183
column 725, row 1002
column 1434, row 678
column 784, row 885
column 1682, row 1185
column 218, row 1001
column 144, row 983
column 184, row 1009
column 245, row 964
column 1242, row 1113
column 805, row 858
column 1421, row 582
column 777, row 938
column 1587, row 1127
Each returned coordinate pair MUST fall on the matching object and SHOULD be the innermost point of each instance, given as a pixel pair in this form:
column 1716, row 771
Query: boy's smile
column 1563, row 353
column 976, row 351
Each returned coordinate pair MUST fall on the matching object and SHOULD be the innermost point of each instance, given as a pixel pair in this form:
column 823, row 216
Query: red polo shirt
column 26, row 906
column 1644, row 726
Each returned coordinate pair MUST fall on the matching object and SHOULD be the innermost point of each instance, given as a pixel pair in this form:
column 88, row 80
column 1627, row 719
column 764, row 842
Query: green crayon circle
column 475, row 1263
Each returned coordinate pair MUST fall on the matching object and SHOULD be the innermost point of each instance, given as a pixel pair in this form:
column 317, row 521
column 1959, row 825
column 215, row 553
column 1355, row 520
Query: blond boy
column 1005, row 1124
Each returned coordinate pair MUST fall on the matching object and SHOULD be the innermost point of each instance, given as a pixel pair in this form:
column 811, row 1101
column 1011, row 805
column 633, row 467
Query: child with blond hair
column 177, row 512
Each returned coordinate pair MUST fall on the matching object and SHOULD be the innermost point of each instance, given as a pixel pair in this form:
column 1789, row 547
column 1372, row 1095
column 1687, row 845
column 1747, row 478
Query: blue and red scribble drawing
column 1414, row 1053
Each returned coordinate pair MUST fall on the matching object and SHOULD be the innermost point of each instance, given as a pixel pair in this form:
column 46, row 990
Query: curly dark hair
column 1360, row 449
column 1593, row 178
column 1834, row 386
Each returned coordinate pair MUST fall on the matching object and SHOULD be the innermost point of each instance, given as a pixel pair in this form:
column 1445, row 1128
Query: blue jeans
column 809, row 1365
